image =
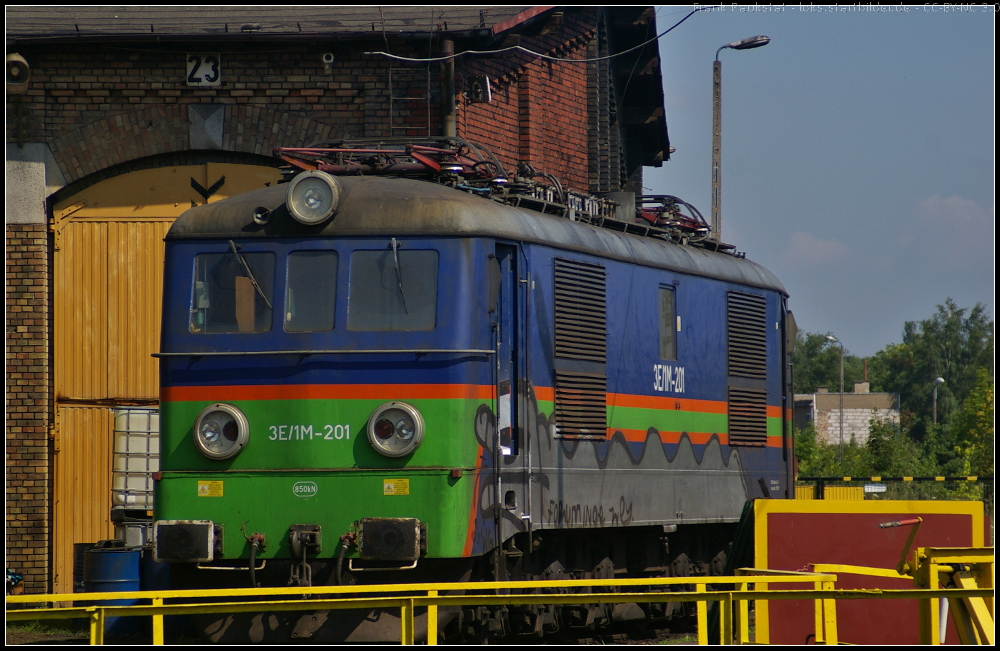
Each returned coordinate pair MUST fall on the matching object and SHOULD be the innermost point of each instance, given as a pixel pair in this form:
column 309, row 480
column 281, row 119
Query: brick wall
column 96, row 109
column 27, row 408
column 540, row 111
column 538, row 115
column 856, row 423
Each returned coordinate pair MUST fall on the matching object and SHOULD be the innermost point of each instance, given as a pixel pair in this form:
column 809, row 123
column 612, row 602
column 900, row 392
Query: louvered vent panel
column 580, row 311
column 581, row 405
column 747, row 329
column 747, row 417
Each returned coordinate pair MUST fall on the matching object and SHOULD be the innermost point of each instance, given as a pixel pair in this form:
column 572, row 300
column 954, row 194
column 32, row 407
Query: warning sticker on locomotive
column 210, row 489
column 395, row 486
column 668, row 378
column 310, row 433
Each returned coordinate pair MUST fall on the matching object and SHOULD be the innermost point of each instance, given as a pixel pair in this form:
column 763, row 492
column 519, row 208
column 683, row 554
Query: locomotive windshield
column 393, row 290
column 233, row 292
column 311, row 292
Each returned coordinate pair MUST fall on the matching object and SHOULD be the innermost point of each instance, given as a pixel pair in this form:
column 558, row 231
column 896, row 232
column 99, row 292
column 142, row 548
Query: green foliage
column 816, row 363
column 973, row 428
column 955, row 344
column 819, row 459
column 952, row 344
column 890, row 452
column 807, row 452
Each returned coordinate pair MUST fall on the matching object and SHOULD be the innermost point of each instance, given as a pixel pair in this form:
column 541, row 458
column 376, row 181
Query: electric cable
column 537, row 54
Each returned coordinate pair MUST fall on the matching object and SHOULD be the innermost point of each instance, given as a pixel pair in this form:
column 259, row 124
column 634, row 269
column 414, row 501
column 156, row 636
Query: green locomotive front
column 320, row 385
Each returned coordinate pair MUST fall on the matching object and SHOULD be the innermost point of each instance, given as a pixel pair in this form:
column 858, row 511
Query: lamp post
column 937, row 381
column 745, row 44
column 836, row 341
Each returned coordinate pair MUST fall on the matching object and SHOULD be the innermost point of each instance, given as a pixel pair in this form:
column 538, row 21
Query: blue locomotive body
column 571, row 386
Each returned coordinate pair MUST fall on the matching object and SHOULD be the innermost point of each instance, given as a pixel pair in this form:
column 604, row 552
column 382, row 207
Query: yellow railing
column 733, row 620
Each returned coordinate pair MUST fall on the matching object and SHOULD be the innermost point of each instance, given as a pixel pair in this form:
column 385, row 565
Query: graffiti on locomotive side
column 308, row 433
column 623, row 515
column 588, row 515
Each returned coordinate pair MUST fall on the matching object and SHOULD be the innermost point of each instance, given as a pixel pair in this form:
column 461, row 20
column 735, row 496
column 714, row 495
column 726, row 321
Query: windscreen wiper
column 253, row 281
column 399, row 276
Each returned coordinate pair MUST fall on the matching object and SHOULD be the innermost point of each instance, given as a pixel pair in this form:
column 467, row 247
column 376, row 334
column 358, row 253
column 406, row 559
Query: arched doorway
column 106, row 288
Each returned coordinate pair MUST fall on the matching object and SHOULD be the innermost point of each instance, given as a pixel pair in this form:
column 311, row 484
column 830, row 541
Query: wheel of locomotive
column 321, row 626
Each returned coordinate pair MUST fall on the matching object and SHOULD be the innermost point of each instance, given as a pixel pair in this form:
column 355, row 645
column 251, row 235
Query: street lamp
column 937, row 381
column 836, row 341
column 745, row 44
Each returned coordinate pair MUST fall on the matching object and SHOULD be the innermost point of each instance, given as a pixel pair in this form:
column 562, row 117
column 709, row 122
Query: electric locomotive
column 404, row 365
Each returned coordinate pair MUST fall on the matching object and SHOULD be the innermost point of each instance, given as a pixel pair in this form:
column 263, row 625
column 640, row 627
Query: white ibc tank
column 136, row 457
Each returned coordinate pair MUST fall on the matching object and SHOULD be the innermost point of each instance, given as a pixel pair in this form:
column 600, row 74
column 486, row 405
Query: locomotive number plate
column 668, row 378
column 309, row 433
column 395, row 486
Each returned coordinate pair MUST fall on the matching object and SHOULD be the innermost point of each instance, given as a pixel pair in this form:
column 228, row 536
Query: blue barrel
column 114, row 570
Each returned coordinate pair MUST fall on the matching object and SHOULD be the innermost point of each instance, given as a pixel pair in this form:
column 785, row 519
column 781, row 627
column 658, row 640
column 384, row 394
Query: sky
column 857, row 155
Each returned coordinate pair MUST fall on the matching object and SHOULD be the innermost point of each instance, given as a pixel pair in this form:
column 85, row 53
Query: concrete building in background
column 822, row 409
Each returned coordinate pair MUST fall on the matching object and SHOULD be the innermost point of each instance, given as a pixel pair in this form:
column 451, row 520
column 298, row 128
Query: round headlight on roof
column 313, row 197
column 221, row 431
column 395, row 429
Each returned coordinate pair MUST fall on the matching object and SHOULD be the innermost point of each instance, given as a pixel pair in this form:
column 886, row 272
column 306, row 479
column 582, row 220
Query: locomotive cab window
column 311, row 291
column 232, row 292
column 669, row 323
column 393, row 289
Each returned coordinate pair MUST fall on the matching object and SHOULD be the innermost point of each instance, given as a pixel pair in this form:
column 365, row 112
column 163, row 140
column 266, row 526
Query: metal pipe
column 448, row 88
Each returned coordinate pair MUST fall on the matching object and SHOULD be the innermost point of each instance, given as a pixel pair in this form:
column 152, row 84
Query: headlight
column 221, row 431
column 312, row 197
column 395, row 429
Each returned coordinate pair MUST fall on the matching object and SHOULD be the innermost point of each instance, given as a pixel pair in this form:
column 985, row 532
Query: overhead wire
column 539, row 54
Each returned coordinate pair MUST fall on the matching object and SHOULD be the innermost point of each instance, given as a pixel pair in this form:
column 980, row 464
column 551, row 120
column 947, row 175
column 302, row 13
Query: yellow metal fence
column 749, row 585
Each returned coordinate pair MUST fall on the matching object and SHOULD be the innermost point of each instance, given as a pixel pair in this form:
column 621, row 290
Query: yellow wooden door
column 108, row 284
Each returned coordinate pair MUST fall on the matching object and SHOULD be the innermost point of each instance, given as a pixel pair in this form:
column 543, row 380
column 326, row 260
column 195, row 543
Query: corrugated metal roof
column 53, row 23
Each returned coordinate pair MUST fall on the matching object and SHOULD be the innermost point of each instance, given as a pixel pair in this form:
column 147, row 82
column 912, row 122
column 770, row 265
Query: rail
column 733, row 622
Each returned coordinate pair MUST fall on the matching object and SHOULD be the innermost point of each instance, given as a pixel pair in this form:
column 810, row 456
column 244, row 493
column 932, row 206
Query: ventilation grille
column 747, row 417
column 581, row 311
column 747, row 330
column 581, row 405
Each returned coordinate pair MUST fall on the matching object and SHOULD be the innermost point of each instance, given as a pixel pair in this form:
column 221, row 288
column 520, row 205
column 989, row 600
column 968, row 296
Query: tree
column 816, row 363
column 952, row 344
column 973, row 428
column 818, row 459
column 891, row 453
column 955, row 344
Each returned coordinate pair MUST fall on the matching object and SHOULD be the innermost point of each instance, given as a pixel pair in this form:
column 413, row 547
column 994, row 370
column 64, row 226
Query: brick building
column 119, row 119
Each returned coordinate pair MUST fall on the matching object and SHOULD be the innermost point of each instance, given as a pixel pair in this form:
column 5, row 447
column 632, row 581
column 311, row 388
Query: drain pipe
column 448, row 89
